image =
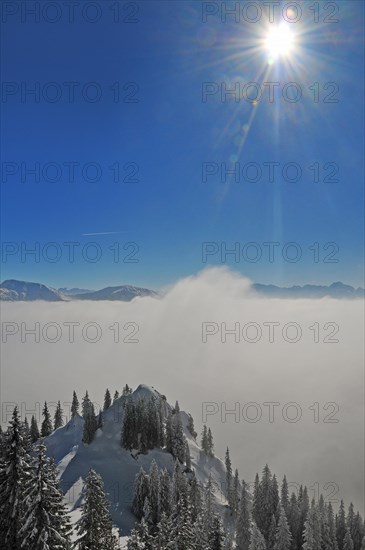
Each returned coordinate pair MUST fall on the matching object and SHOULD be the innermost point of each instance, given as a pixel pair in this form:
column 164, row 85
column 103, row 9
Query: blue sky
column 168, row 135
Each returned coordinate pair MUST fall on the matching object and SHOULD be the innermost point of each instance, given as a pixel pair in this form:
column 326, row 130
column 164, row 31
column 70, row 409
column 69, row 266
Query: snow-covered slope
column 13, row 290
column 117, row 466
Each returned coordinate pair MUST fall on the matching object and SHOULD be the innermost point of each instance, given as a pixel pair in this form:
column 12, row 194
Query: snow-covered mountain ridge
column 118, row 466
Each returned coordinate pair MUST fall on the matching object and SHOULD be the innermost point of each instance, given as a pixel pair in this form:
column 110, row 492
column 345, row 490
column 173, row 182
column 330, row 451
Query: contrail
column 102, row 233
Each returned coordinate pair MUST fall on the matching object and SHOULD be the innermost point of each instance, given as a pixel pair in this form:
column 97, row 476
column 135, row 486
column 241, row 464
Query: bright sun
column 279, row 41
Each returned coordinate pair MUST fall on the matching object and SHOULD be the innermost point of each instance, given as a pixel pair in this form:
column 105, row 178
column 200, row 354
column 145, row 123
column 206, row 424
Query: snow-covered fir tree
column 94, row 528
column 191, row 428
column 45, row 524
column 204, row 439
column 257, row 541
column 236, row 491
column 348, row 543
column 90, row 422
column 107, row 400
column 312, row 530
column 243, row 528
column 284, row 495
column 341, row 525
column 127, row 390
column 34, row 430
column 177, row 438
column 283, row 536
column 141, row 492
column 271, row 540
column 229, row 479
column 210, row 443
column 58, row 416
column 75, row 405
column 46, row 427
column 14, row 477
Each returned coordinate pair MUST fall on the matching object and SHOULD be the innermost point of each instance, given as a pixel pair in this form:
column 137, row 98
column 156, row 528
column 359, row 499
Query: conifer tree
column 107, row 399
column 243, row 525
column 312, row 531
column 229, row 480
column 303, row 505
column 274, row 498
column 147, row 514
column 141, row 492
column 327, row 542
column 154, row 493
column 191, row 427
column 284, row 495
column 58, row 416
column 94, row 528
column 74, row 405
column 195, row 498
column 272, row 533
column 139, row 539
column 357, row 531
column 257, row 541
column 179, row 489
column 90, row 424
column 34, row 431
column 204, row 439
column 187, row 456
column 130, row 429
column 86, row 405
column 14, row 476
column 363, row 544
column 283, row 535
column 331, row 527
column 350, row 518
column 217, row 534
column 210, row 443
column 26, row 435
column 46, row 524
column 341, row 525
column 294, row 521
column 116, row 395
column 256, row 505
column 177, row 436
column 236, row 491
column 127, row 390
column 165, row 528
column 347, row 541
column 266, row 501
column 165, row 493
column 46, row 428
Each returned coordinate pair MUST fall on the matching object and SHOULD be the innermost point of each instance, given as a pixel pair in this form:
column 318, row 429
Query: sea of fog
column 278, row 381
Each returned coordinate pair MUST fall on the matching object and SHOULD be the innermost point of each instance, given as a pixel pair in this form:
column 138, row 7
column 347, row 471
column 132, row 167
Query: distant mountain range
column 12, row 290
column 335, row 290
column 22, row 291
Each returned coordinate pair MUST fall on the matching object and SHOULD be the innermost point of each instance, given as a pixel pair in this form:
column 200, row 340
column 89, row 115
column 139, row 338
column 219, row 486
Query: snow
column 117, row 466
